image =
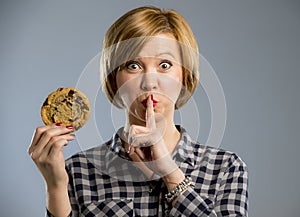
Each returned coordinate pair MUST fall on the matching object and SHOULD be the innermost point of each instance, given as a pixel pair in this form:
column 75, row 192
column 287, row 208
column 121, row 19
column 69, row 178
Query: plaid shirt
column 104, row 182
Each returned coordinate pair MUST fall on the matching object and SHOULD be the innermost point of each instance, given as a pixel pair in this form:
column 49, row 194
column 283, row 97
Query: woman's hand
column 148, row 147
column 46, row 151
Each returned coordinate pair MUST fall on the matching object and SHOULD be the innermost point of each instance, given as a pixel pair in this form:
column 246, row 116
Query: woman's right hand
column 46, row 152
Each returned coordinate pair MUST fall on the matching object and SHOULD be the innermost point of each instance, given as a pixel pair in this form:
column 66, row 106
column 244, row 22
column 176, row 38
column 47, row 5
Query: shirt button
column 150, row 190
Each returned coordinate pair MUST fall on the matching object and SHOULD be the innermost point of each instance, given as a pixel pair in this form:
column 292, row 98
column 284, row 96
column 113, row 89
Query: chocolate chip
column 71, row 93
column 79, row 99
column 52, row 118
column 46, row 102
column 85, row 107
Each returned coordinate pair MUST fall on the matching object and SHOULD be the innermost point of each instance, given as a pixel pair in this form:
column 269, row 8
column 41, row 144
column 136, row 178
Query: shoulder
column 217, row 157
column 205, row 156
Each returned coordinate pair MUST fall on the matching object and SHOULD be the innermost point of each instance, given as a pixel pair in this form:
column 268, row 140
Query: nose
column 149, row 81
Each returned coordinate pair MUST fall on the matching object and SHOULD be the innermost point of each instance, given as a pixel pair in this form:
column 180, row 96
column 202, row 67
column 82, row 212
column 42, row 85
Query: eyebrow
column 159, row 55
column 166, row 53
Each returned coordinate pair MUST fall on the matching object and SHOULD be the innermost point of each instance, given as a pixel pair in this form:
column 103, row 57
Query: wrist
column 171, row 180
column 56, row 189
column 58, row 202
column 172, row 195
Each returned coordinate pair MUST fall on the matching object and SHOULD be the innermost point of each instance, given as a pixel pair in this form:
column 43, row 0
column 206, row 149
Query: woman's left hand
column 147, row 146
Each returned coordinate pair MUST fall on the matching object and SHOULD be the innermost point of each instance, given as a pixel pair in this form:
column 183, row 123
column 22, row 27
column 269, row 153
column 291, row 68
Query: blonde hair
column 138, row 24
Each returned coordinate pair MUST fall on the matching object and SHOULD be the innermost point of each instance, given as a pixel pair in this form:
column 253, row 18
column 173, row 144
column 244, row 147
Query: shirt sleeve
column 73, row 200
column 231, row 198
column 48, row 214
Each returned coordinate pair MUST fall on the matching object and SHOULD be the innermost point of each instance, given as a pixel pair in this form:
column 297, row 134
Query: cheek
column 171, row 86
column 127, row 88
column 173, row 80
column 120, row 79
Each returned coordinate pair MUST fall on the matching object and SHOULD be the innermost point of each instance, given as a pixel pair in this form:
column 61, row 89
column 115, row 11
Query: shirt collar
column 184, row 151
column 185, row 147
column 118, row 163
column 117, row 146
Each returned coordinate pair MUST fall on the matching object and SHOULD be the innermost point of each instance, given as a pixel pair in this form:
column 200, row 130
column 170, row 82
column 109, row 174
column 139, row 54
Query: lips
column 144, row 102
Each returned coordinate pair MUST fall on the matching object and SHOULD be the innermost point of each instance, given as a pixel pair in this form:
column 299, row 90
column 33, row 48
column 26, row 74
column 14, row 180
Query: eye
column 133, row 66
column 165, row 65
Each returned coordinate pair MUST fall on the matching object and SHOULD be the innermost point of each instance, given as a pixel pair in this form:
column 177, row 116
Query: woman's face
column 157, row 71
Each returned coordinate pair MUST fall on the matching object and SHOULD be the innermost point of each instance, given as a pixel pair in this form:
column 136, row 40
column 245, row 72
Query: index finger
column 150, row 119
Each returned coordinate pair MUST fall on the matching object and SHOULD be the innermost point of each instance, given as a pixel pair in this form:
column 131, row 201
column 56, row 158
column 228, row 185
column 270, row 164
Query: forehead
column 161, row 46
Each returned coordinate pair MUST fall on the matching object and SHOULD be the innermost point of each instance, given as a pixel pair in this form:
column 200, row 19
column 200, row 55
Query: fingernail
column 70, row 127
column 58, row 124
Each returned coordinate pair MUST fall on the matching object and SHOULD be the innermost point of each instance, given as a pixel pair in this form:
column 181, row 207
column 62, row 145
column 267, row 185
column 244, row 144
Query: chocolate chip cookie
column 68, row 106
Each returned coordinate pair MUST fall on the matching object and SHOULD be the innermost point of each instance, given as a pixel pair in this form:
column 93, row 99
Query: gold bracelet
column 182, row 186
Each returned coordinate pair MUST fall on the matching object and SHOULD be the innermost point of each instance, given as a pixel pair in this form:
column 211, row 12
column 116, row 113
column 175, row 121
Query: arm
column 232, row 180
column 46, row 151
column 58, row 202
column 71, row 198
column 231, row 198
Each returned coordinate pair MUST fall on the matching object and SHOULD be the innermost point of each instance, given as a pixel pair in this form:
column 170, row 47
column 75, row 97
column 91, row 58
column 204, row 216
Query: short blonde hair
column 138, row 24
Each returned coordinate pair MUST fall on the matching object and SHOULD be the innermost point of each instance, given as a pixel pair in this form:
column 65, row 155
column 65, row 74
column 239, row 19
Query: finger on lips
column 150, row 119
column 138, row 136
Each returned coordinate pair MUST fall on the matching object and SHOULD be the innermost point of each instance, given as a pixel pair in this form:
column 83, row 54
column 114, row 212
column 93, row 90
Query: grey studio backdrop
column 253, row 46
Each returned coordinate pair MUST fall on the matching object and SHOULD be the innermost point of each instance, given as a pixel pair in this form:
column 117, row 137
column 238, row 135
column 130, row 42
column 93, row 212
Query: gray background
column 252, row 45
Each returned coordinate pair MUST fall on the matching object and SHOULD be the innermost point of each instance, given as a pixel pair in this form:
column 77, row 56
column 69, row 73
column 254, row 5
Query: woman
column 151, row 167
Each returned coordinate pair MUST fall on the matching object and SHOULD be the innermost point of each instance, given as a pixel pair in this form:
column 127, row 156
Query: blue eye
column 165, row 65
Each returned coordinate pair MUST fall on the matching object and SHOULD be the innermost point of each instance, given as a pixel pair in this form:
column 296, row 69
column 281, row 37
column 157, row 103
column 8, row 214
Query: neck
column 171, row 137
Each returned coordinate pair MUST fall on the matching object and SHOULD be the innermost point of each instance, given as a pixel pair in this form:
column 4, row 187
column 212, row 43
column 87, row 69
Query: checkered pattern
column 103, row 182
